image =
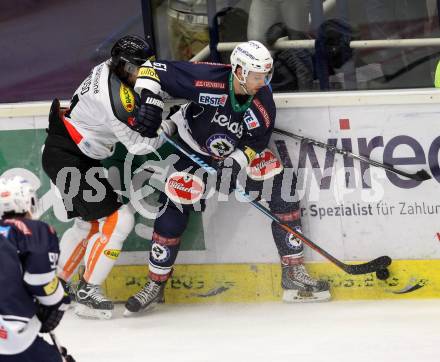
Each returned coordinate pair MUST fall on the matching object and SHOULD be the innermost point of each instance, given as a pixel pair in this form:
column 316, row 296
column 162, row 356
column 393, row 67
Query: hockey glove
column 149, row 115
column 50, row 315
column 227, row 174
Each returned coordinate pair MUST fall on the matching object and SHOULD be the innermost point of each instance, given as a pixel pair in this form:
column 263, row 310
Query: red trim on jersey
column 73, row 133
column 20, row 225
column 263, row 112
column 209, row 84
column 214, row 64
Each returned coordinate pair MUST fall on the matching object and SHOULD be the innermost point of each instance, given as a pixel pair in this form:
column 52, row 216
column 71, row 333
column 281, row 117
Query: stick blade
column 422, row 175
column 370, row 267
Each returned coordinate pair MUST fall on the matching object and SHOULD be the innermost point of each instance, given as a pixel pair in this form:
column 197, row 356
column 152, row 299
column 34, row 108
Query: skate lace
column 148, row 292
column 95, row 293
column 300, row 274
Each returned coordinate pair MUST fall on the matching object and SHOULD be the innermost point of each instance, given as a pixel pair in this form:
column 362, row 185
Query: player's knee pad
column 83, row 228
column 117, row 226
column 73, row 246
column 283, row 199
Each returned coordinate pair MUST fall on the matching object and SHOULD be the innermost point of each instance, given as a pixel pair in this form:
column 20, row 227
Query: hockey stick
column 61, row 349
column 370, row 267
column 421, row 175
column 56, row 344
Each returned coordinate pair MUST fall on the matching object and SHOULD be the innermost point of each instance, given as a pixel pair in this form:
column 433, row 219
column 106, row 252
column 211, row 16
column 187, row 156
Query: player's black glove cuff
column 227, row 174
column 149, row 115
column 50, row 316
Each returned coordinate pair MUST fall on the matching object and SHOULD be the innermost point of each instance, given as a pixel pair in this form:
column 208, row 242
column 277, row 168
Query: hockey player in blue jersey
column 228, row 123
column 32, row 299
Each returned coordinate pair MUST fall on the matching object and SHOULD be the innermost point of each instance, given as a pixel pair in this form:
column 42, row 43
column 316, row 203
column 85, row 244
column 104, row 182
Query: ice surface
column 404, row 330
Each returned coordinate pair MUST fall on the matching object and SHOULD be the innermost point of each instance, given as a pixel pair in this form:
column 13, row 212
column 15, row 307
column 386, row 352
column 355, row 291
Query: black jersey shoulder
column 187, row 80
column 30, row 235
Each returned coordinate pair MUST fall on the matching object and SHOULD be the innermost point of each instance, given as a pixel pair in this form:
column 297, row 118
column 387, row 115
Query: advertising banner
column 354, row 210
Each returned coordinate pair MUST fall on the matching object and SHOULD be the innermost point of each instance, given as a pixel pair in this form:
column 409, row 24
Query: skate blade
column 129, row 314
column 84, row 311
column 296, row 296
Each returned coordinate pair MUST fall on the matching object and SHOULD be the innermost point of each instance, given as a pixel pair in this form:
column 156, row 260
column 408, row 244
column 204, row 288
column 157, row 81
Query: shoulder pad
column 123, row 99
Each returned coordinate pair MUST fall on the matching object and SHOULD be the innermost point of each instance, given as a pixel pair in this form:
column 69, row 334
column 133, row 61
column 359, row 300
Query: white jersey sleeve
column 135, row 143
column 101, row 111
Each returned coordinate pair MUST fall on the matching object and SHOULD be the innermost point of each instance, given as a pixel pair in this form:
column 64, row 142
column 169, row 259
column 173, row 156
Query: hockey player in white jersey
column 104, row 110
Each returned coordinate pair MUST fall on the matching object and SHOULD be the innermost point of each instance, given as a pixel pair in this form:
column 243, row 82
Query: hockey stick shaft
column 364, row 268
column 421, row 175
column 57, row 344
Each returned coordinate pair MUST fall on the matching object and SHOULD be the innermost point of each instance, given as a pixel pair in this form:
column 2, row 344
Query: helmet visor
column 260, row 77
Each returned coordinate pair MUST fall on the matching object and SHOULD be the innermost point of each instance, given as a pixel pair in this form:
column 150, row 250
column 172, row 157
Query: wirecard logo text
column 214, row 100
column 391, row 149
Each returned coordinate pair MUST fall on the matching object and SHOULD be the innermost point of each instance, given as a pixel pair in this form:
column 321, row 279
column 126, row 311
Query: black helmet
column 131, row 49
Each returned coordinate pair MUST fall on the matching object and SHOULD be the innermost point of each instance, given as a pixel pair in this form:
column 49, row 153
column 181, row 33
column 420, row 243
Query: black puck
column 382, row 274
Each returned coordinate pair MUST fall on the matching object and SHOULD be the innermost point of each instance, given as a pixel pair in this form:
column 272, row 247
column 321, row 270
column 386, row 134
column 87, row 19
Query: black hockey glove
column 50, row 316
column 227, row 174
column 149, row 115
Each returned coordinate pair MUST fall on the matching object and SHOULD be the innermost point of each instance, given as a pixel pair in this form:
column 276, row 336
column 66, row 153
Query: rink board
column 354, row 211
column 220, row 283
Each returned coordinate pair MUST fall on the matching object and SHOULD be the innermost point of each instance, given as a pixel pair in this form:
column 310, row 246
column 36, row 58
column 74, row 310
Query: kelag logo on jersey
column 250, row 119
column 225, row 121
column 127, row 98
column 214, row 100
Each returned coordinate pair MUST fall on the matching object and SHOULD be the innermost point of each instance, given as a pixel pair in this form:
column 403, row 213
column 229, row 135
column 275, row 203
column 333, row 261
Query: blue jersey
column 29, row 253
column 212, row 122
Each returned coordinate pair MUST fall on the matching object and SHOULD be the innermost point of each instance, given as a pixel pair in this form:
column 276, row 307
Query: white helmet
column 17, row 196
column 252, row 56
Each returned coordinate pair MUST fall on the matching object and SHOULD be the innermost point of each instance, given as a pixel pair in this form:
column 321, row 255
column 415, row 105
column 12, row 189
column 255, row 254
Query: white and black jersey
column 101, row 112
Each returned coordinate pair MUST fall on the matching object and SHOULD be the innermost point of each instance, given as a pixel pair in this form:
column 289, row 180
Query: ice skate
column 70, row 288
column 150, row 295
column 91, row 302
column 299, row 286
